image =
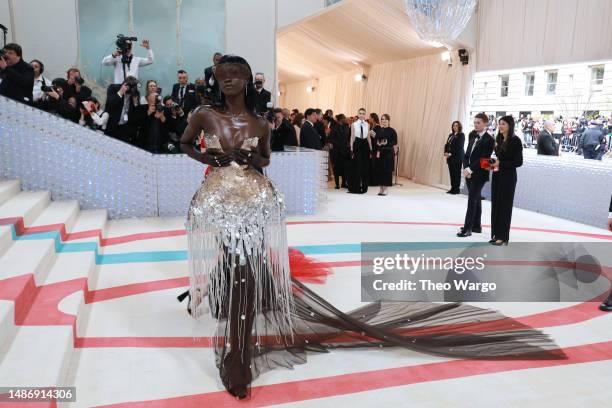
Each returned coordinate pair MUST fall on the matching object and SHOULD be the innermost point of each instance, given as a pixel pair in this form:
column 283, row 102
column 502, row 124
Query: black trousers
column 454, row 170
column 503, row 187
column 359, row 181
column 474, row 207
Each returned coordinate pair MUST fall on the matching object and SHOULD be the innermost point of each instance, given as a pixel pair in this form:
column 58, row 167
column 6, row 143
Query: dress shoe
column 464, row 233
column 607, row 305
column 337, row 188
column 499, row 242
column 453, row 192
column 477, row 230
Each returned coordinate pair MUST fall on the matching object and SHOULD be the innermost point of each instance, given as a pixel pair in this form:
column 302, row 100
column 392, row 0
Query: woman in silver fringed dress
column 238, row 258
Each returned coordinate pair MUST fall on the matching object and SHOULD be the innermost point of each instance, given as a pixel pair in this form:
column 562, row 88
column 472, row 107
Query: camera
column 124, row 43
column 491, row 161
column 79, row 80
column 133, row 85
column 46, row 88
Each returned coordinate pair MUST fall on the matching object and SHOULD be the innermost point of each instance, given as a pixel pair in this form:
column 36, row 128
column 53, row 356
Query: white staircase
column 36, row 347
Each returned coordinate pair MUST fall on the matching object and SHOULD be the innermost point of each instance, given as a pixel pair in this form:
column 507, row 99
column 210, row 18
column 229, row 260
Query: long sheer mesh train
column 238, row 257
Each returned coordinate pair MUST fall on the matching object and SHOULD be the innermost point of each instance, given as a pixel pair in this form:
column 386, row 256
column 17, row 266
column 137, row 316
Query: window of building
column 499, row 114
column 504, row 80
column 529, row 82
column 551, row 82
column 597, row 75
column 547, row 114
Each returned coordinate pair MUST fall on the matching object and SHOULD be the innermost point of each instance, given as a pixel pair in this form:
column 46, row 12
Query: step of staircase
column 37, row 357
column 8, row 189
column 6, row 238
column 26, row 204
column 7, row 325
column 58, row 213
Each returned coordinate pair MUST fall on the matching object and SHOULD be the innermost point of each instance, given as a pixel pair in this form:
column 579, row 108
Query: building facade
column 545, row 92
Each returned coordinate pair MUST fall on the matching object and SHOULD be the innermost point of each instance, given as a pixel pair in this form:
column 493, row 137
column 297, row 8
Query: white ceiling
column 353, row 31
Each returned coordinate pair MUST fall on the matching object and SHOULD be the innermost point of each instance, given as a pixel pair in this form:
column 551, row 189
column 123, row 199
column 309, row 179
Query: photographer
column 39, row 82
column 126, row 64
column 281, row 131
column 176, row 122
column 92, row 115
column 16, row 75
column 55, row 101
column 125, row 114
column 76, row 87
column 155, row 129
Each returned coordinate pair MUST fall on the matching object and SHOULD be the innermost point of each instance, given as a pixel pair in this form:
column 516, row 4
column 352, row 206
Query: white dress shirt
column 480, row 135
column 132, row 70
column 358, row 125
column 37, row 93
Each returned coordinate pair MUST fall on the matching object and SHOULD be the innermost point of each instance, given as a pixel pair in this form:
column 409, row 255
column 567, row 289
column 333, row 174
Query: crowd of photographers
column 141, row 116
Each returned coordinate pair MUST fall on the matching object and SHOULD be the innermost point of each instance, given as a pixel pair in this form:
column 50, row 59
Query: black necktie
column 361, row 124
column 182, row 93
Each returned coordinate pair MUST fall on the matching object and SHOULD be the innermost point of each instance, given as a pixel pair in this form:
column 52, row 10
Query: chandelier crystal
column 439, row 21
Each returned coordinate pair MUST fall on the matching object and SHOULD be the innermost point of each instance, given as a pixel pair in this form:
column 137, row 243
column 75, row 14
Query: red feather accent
column 307, row 270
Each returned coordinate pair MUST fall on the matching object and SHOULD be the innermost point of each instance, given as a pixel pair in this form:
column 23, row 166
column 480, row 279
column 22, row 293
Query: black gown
column 339, row 153
column 384, row 156
column 503, row 187
column 373, row 178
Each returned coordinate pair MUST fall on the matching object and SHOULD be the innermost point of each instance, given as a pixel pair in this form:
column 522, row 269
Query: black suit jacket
column 262, row 99
column 114, row 107
column 546, row 144
column 17, row 82
column 309, row 137
column 454, row 146
column 611, row 204
column 320, row 128
column 475, row 151
column 213, row 93
column 190, row 100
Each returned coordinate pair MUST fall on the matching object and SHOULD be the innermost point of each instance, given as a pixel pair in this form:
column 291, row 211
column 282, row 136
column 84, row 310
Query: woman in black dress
column 386, row 140
column 509, row 153
column 374, row 130
column 454, row 152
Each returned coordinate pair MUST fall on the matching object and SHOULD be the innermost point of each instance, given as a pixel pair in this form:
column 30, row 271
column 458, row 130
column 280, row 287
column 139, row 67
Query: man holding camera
column 16, row 76
column 213, row 94
column 125, row 115
column 76, row 86
column 176, row 123
column 126, row 64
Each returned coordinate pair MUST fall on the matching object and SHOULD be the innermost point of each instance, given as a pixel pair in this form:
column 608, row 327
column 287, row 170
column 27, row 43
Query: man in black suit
column 546, row 141
column 125, row 114
column 480, row 145
column 308, row 135
column 184, row 93
column 213, row 94
column 262, row 96
column 16, row 75
column 320, row 126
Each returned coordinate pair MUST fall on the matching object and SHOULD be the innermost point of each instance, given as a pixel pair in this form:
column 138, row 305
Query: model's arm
column 187, row 143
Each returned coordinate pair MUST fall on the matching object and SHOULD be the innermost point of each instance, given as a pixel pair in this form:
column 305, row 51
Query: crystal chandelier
column 439, row 21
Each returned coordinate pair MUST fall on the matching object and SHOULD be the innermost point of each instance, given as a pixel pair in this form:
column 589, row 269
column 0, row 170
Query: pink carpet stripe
column 346, row 384
column 20, row 230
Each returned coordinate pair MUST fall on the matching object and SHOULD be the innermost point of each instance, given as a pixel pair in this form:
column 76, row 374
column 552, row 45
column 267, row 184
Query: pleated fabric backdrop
column 422, row 95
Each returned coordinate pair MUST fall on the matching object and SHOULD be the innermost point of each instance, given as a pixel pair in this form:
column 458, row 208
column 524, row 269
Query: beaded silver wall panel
column 49, row 153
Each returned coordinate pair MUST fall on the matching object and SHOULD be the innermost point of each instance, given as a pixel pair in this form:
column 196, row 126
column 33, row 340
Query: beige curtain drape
column 527, row 33
column 422, row 95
